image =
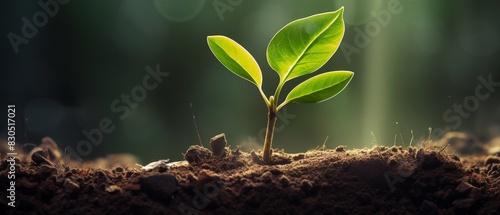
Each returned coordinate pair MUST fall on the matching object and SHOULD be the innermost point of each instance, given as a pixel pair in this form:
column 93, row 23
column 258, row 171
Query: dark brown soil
column 382, row 180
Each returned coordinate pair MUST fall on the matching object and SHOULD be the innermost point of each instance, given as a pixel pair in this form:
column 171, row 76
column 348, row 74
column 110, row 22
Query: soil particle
column 113, row 189
column 285, row 181
column 196, row 153
column 70, row 186
column 217, row 144
column 119, row 169
column 40, row 157
column 464, row 187
column 266, row 177
column 298, row 157
column 159, row 186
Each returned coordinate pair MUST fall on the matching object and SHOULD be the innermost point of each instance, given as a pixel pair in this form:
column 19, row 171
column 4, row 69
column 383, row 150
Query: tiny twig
column 422, row 143
column 411, row 140
column 195, row 125
column 474, row 165
column 444, row 148
column 324, row 143
column 400, row 135
column 375, row 143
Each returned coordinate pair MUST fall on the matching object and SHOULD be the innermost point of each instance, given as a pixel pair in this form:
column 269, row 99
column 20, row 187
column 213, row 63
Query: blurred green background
column 413, row 62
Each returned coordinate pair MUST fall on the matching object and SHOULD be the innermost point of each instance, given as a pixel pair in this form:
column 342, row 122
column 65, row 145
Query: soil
column 429, row 179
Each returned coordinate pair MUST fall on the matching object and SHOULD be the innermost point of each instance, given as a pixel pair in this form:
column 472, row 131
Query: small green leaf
column 235, row 58
column 305, row 45
column 319, row 88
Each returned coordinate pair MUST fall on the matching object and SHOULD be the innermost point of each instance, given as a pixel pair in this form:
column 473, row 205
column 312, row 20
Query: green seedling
column 298, row 49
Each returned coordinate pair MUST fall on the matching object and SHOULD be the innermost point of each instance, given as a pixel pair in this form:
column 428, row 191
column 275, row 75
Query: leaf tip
column 210, row 38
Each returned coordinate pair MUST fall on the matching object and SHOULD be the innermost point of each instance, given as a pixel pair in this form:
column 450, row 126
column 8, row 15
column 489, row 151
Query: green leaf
column 235, row 58
column 319, row 88
column 305, row 45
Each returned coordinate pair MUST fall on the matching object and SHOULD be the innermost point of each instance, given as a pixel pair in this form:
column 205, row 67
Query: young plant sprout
column 298, row 49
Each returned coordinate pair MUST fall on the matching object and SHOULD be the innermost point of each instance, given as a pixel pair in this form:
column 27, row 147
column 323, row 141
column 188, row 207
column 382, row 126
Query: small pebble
column 113, row 189
column 40, row 157
column 305, row 185
column 285, row 181
column 298, row 157
column 162, row 186
column 266, row 177
column 464, row 187
column 340, row 149
column 196, row 153
column 218, row 143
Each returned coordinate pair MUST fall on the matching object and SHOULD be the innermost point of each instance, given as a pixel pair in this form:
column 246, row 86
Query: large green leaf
column 235, row 58
column 305, row 45
column 319, row 88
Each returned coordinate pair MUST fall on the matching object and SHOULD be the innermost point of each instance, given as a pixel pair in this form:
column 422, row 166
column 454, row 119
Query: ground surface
column 382, row 180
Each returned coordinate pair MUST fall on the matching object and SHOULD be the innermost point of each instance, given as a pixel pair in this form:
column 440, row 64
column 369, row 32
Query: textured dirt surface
column 382, row 180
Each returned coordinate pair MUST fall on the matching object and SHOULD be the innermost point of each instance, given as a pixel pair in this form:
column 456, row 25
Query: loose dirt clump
column 381, row 180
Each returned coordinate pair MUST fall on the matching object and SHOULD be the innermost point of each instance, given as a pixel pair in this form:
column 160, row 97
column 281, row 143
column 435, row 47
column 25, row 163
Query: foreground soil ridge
column 381, row 180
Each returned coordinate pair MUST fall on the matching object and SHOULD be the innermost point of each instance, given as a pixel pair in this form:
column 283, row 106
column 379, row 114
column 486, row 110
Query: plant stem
column 271, row 122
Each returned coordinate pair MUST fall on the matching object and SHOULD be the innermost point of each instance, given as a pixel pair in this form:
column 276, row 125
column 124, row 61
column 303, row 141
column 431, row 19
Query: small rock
column 129, row 174
column 394, row 149
column 284, row 180
column 196, row 153
column 218, row 143
column 119, row 169
column 70, row 186
column 155, row 165
column 255, row 157
column 306, row 185
column 101, row 176
column 205, row 166
column 266, row 177
column 464, row 187
column 160, row 186
column 298, row 157
column 113, row 189
column 276, row 171
column 340, row 149
column 40, row 157
column 51, row 146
